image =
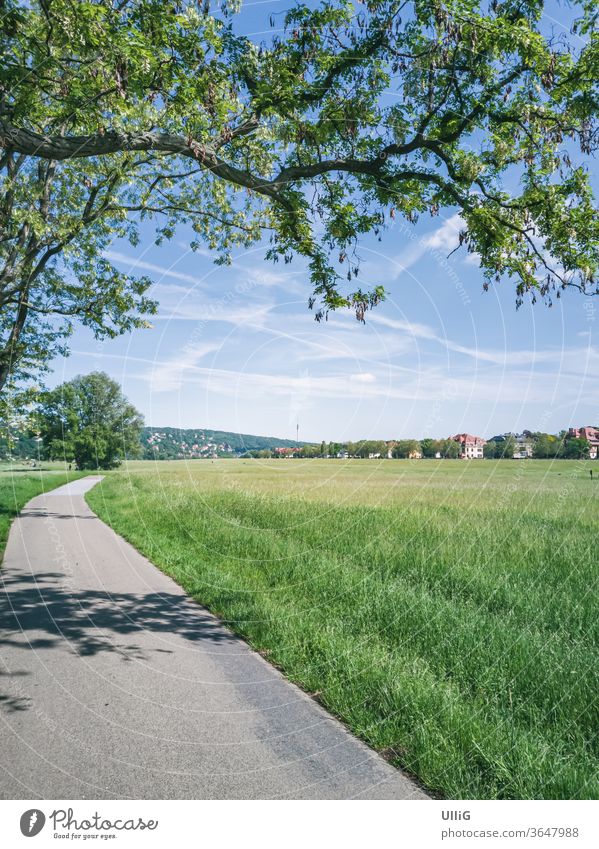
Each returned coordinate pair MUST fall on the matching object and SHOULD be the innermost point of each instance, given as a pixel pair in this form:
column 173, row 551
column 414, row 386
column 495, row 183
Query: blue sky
column 236, row 348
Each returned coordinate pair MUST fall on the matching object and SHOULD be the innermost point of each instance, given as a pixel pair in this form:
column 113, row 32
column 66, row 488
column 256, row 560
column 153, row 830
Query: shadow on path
column 42, row 612
column 12, row 703
column 44, row 513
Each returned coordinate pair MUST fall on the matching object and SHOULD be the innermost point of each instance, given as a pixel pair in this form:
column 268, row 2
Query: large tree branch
column 101, row 144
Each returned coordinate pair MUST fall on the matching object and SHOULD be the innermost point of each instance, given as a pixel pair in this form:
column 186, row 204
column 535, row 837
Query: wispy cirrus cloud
column 575, row 356
column 137, row 264
column 429, row 385
column 445, row 238
column 263, row 276
column 170, row 374
column 210, row 311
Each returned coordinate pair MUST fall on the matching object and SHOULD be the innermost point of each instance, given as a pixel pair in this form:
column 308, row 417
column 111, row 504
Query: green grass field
column 446, row 611
column 20, row 483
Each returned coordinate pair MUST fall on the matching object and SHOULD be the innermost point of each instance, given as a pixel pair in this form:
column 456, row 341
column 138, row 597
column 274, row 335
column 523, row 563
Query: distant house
column 524, row 446
column 285, row 452
column 591, row 434
column 524, row 443
column 471, row 447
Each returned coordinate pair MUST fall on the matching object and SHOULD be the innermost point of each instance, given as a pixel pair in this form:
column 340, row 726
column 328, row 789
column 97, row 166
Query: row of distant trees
column 544, row 446
column 89, row 422
column 400, row 449
column 548, row 446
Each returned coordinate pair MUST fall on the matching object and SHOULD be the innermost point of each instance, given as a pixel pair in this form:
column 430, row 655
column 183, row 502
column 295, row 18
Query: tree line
column 544, row 446
column 88, row 422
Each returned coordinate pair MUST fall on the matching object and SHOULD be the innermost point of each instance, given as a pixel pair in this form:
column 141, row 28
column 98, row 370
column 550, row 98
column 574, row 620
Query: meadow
column 19, row 483
column 446, row 611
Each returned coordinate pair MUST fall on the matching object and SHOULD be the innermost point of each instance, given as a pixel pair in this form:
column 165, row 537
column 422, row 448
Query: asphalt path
column 115, row 684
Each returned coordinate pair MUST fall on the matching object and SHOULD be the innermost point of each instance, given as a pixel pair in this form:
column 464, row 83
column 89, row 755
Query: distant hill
column 172, row 443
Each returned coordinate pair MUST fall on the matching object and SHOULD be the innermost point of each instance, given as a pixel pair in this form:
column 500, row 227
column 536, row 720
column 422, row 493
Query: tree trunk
column 8, row 354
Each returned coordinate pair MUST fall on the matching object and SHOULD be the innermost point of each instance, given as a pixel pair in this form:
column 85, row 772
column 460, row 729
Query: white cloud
column 573, row 357
column 446, row 237
column 264, row 276
column 250, row 317
column 170, row 374
column 410, row 328
column 137, row 264
column 363, row 377
column 200, row 251
column 408, row 257
column 472, row 259
column 429, row 385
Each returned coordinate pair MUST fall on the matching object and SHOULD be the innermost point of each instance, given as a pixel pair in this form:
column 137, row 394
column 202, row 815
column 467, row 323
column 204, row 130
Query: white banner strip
column 314, row 824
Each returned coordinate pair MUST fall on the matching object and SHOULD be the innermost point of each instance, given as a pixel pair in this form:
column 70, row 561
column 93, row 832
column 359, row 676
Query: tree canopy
column 347, row 116
column 89, row 420
column 407, row 449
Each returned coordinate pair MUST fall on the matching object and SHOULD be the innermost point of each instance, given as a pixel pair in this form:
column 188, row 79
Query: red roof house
column 471, row 447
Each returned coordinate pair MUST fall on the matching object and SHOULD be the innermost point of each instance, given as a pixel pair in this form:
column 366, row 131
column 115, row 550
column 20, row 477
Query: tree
column 546, row 446
column 310, row 451
column 491, row 450
column 507, row 447
column 115, row 112
column 406, row 448
column 500, row 447
column 575, row 448
column 259, row 454
column 367, row 447
column 89, row 420
column 429, row 447
column 450, row 449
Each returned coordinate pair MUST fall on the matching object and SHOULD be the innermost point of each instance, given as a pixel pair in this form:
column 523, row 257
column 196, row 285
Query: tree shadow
column 14, row 703
column 43, row 513
column 43, row 612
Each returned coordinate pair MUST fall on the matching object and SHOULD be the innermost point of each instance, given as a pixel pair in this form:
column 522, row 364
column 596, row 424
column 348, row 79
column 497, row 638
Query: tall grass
column 446, row 612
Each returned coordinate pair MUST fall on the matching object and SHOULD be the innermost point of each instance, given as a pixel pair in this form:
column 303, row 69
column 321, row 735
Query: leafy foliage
column 407, row 449
column 90, row 421
column 501, row 450
column 354, row 114
column 367, row 448
column 547, row 446
column 576, row 449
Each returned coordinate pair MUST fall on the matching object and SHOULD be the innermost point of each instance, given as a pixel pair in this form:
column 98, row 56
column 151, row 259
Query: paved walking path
column 114, row 684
